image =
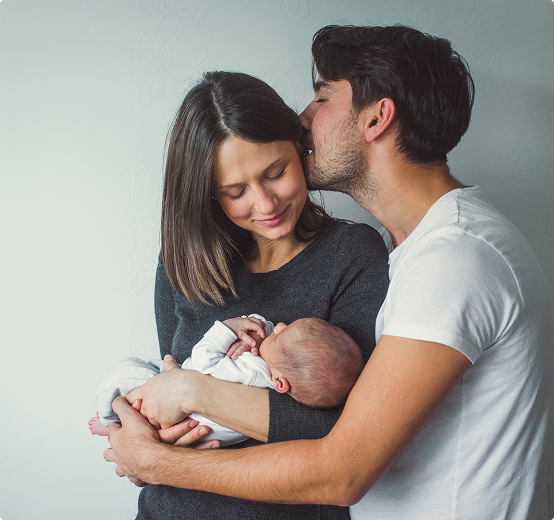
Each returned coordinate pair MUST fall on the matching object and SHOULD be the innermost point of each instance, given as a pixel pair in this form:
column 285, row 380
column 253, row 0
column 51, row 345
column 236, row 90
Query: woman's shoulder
column 354, row 236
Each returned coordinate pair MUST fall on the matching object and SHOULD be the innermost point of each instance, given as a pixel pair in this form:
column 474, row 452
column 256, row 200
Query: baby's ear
column 280, row 383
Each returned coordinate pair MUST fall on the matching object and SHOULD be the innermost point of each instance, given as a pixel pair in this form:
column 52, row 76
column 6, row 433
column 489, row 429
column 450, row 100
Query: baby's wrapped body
column 208, row 356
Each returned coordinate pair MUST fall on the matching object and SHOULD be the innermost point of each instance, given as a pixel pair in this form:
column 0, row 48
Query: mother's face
column 260, row 186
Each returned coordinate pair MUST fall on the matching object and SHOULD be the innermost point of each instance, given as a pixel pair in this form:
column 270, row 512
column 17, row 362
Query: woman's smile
column 272, row 221
column 261, row 186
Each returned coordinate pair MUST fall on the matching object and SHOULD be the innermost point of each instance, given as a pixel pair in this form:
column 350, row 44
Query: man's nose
column 307, row 115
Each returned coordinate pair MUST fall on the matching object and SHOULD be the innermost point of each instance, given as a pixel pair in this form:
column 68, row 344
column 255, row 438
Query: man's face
column 334, row 138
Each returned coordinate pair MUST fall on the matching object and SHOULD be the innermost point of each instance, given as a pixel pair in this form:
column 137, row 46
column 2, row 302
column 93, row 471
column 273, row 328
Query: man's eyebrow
column 321, row 84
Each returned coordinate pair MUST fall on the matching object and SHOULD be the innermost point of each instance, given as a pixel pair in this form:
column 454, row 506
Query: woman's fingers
column 187, row 433
column 208, row 445
column 134, row 396
column 192, row 437
column 174, row 433
column 170, row 363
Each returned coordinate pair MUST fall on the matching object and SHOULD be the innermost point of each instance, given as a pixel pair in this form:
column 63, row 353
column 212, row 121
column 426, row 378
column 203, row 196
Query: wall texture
column 87, row 90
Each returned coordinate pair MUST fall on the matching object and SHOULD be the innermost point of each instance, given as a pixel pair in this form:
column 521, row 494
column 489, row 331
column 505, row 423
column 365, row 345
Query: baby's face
column 269, row 348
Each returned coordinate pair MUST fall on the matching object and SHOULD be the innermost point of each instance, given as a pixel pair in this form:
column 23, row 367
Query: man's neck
column 405, row 193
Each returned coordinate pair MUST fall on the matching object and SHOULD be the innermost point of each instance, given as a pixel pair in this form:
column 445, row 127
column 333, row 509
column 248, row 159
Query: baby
column 313, row 361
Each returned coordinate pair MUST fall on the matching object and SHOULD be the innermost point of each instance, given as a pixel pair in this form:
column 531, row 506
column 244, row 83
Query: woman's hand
column 188, row 434
column 136, row 445
column 168, row 398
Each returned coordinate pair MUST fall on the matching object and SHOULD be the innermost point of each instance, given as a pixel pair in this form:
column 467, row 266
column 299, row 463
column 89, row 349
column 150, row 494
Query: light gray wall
column 87, row 90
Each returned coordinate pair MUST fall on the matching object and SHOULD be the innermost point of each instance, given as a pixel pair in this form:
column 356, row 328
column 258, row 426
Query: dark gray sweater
column 341, row 277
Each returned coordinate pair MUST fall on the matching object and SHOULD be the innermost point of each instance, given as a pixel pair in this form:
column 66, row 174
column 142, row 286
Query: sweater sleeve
column 208, row 356
column 358, row 283
column 164, row 303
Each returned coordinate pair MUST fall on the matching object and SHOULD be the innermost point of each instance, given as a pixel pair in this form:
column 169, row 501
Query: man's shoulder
column 464, row 227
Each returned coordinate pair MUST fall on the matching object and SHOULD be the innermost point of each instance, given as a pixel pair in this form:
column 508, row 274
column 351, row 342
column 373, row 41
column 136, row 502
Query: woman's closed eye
column 278, row 176
column 237, row 192
column 236, row 195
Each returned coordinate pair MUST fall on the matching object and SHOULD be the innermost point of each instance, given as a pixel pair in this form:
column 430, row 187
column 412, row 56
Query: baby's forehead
column 306, row 325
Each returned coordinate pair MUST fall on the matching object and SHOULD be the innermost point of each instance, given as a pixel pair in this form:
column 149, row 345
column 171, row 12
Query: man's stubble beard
column 346, row 171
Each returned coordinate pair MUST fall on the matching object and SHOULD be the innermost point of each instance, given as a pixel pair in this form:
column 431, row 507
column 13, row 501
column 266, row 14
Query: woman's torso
column 341, row 277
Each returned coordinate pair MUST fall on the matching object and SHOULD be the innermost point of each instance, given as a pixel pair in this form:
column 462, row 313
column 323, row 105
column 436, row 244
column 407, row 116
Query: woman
column 240, row 236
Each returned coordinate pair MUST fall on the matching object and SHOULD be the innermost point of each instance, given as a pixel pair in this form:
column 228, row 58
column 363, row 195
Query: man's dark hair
column 429, row 82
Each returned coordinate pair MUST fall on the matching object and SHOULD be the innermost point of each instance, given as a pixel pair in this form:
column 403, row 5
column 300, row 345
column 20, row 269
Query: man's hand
column 136, row 445
column 250, row 333
column 133, row 443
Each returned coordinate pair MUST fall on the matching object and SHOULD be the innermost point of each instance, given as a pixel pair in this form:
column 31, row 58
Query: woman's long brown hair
column 200, row 244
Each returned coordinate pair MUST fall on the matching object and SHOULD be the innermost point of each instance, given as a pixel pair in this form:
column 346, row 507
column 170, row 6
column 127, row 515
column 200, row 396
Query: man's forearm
column 273, row 473
column 402, row 384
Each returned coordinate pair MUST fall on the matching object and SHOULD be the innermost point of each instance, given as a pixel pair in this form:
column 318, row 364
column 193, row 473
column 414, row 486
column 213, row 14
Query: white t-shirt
column 466, row 278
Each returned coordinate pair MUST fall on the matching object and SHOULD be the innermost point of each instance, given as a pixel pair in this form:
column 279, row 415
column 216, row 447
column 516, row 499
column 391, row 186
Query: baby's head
column 312, row 360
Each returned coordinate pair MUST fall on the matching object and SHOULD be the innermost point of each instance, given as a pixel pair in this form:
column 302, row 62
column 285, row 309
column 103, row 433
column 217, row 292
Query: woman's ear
column 377, row 118
column 280, row 383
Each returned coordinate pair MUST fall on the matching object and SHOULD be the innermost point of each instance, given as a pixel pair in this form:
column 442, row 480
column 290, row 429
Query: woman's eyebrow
column 263, row 172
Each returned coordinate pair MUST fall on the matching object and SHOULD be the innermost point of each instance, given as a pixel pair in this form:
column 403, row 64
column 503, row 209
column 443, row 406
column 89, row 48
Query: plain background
column 87, row 91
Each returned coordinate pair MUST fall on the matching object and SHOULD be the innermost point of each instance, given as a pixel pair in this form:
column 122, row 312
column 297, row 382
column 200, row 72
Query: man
column 451, row 417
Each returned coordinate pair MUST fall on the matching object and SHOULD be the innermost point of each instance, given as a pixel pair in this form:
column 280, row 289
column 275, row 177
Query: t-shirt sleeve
column 356, row 284
column 164, row 303
column 459, row 292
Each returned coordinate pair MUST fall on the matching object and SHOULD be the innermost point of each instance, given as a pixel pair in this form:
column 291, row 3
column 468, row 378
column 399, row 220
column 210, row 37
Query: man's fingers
column 114, row 428
column 126, row 412
column 121, row 406
column 109, row 455
column 137, row 482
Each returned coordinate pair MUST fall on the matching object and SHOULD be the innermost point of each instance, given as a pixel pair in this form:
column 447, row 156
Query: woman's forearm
column 170, row 396
column 241, row 408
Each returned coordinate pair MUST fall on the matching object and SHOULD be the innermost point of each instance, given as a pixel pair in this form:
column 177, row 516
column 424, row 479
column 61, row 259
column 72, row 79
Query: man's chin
column 315, row 181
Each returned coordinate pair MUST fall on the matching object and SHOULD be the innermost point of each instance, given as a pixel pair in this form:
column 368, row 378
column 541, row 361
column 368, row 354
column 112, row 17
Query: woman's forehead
column 237, row 158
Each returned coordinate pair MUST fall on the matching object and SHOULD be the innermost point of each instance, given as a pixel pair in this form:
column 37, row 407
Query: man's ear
column 280, row 383
column 377, row 118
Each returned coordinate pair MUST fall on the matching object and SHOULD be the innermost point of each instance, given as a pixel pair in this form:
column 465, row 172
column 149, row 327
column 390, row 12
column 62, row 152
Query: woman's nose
column 266, row 200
